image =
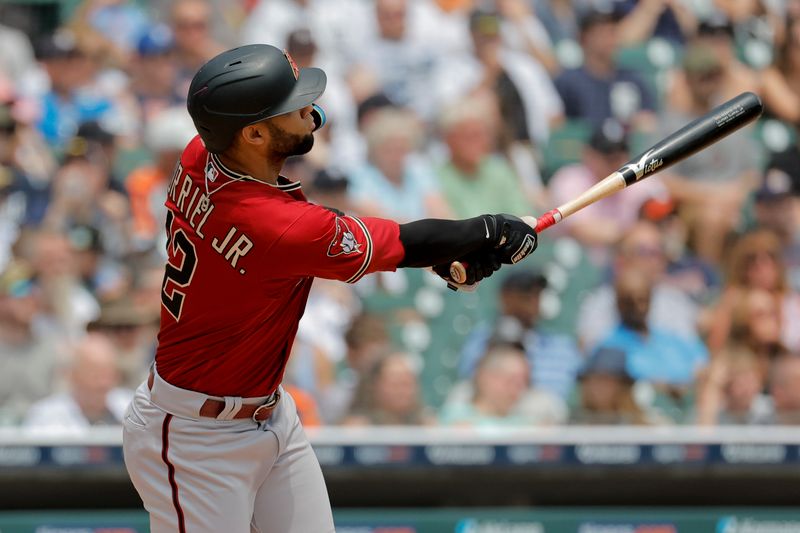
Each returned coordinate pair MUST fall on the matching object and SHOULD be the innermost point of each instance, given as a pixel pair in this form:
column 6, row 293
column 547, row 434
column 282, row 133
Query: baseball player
column 211, row 440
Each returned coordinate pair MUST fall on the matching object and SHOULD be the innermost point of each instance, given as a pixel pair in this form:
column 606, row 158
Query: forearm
column 431, row 241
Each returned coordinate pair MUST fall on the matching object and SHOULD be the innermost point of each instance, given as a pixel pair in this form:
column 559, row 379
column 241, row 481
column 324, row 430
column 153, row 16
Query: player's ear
column 254, row 134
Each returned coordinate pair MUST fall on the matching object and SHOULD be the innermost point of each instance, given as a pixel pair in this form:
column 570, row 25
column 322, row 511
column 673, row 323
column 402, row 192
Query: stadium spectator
column 93, row 396
column 606, row 393
column 774, row 208
column 153, row 73
column 528, row 102
column 341, row 28
column 29, row 350
column 554, row 359
column 600, row 225
column 731, row 392
column 130, row 327
column 166, row 135
column 524, row 32
column 599, row 89
column 501, row 395
column 71, row 99
column 785, row 390
column 334, row 143
column 695, row 277
column 367, row 339
column 389, row 395
column 529, row 106
column 780, row 83
column 642, row 249
column 190, row 21
column 711, row 186
column 118, row 23
column 396, row 181
column 755, row 263
column 653, row 354
column 404, row 64
column 329, row 188
column 475, row 179
column 23, row 198
column 67, row 305
column 85, row 193
column 731, row 76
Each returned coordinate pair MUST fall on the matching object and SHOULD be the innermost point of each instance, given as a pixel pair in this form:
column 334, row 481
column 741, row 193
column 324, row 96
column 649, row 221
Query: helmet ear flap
column 318, row 114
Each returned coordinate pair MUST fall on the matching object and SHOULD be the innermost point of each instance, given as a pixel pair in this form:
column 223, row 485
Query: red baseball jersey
column 242, row 255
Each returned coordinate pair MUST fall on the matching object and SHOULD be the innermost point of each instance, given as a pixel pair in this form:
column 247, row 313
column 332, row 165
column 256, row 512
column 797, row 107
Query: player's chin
column 305, row 145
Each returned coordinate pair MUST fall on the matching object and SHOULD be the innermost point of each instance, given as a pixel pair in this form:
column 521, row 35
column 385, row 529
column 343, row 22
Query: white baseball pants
column 200, row 475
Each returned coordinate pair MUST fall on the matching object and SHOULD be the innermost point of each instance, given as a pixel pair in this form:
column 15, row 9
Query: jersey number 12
column 182, row 260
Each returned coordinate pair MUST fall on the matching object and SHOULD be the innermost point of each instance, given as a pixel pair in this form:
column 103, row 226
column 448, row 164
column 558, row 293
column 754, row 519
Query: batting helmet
column 246, row 85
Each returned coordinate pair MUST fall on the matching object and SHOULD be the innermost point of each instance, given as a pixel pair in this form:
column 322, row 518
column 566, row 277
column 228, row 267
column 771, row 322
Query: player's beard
column 286, row 144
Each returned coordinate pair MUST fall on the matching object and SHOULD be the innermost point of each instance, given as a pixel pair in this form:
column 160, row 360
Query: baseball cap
column 609, row 137
column 523, row 281
column 60, row 44
column 598, row 12
column 485, row 22
column 775, row 185
column 715, row 23
column 700, row 58
column 327, row 180
column 157, row 40
column 607, row 360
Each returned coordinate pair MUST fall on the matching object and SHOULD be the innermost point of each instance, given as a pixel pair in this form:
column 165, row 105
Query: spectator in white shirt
column 93, row 396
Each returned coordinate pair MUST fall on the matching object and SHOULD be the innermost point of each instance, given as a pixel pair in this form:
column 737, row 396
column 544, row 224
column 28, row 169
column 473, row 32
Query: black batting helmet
column 246, row 85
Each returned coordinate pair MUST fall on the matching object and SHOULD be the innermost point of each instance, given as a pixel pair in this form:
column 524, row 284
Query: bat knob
column 457, row 272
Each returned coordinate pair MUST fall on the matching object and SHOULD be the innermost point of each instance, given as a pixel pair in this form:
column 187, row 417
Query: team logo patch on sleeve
column 344, row 241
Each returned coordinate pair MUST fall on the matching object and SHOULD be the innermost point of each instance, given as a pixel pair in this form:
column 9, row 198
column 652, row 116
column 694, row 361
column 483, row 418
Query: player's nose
column 305, row 111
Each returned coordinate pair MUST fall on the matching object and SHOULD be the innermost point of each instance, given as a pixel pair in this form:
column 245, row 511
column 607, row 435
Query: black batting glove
column 479, row 265
column 511, row 238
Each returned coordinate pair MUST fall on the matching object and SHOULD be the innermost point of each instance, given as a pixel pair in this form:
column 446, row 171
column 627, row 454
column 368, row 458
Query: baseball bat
column 687, row 141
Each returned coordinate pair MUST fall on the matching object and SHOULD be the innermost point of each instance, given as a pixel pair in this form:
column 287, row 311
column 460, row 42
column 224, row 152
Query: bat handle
column 458, row 270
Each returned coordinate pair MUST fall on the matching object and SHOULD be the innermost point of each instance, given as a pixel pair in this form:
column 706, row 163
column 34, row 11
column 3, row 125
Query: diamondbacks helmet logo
column 344, row 241
column 295, row 70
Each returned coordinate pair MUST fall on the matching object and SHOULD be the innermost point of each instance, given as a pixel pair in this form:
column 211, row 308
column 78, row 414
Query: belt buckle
column 269, row 405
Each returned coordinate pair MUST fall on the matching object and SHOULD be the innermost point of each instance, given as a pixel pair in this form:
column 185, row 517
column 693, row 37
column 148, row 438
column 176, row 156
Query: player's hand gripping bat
column 706, row 130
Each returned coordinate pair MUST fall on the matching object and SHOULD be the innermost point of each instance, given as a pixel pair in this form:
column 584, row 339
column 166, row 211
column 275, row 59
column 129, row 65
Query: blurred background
column 642, row 367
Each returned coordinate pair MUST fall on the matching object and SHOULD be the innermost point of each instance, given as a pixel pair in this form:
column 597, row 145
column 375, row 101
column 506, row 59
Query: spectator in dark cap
column 654, row 354
column 599, row 89
column 70, row 102
column 716, row 33
column 775, row 207
column 554, row 359
column 606, row 392
column 154, row 73
column 714, row 182
column 600, row 225
column 329, row 188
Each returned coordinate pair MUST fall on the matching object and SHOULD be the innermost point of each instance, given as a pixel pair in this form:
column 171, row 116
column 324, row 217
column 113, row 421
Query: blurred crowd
column 673, row 302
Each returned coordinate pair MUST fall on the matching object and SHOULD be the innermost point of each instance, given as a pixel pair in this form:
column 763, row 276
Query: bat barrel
column 693, row 137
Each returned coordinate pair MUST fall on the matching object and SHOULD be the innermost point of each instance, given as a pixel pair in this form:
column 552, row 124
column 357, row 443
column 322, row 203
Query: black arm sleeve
column 430, row 242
